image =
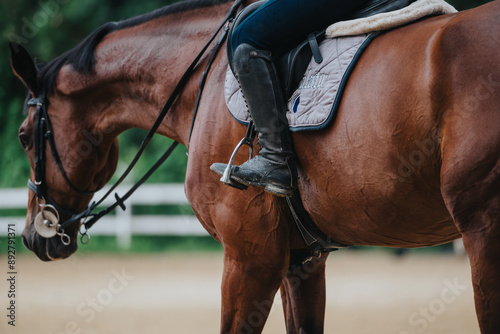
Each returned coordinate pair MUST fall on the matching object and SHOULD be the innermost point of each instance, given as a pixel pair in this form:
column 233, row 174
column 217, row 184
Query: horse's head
column 71, row 155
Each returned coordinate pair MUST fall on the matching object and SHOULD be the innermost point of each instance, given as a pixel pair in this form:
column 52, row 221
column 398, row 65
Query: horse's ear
column 24, row 67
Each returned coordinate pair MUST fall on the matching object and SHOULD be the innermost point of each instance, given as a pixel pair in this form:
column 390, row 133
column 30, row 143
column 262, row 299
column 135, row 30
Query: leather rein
column 47, row 220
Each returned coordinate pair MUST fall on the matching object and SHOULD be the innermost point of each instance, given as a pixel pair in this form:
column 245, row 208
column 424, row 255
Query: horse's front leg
column 248, row 290
column 303, row 294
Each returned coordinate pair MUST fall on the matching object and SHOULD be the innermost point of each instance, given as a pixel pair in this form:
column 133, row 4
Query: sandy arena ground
column 368, row 293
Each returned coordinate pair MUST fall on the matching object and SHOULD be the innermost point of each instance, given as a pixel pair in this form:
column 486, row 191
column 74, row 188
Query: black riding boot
column 274, row 168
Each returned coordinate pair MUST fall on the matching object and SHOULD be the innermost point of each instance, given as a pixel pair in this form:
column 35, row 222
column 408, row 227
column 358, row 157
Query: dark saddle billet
column 293, row 64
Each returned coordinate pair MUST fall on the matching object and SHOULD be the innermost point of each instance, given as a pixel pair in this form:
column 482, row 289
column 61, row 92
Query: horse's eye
column 25, row 141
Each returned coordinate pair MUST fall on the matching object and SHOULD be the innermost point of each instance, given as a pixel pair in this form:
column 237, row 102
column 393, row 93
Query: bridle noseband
column 47, row 220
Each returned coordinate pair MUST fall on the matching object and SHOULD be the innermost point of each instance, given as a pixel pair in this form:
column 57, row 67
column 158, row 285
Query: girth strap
column 313, row 237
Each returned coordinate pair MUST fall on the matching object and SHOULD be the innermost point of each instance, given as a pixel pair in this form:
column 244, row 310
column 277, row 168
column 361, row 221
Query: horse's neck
column 144, row 63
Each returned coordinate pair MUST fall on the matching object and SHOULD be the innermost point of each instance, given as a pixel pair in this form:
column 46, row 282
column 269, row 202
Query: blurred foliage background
column 47, row 28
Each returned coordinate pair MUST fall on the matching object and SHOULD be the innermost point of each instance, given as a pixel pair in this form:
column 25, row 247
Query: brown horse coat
column 412, row 160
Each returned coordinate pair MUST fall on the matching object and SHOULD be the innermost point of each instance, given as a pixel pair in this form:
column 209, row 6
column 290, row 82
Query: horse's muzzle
column 48, row 249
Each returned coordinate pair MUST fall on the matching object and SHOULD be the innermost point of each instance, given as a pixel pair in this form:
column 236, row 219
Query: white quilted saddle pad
column 311, row 105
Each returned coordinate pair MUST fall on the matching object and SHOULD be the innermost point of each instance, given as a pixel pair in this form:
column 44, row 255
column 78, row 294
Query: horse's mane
column 82, row 56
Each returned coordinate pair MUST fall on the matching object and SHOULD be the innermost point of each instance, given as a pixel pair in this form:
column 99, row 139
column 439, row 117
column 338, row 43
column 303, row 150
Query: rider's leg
column 280, row 25
column 273, row 168
column 276, row 26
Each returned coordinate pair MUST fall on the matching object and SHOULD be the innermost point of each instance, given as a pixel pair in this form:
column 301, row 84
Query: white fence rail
column 123, row 224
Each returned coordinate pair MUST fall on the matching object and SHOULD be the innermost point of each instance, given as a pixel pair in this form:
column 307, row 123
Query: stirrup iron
column 247, row 140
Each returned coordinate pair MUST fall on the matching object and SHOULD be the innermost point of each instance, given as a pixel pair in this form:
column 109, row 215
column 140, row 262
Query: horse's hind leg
column 470, row 179
column 477, row 215
column 470, row 183
column 467, row 90
column 303, row 294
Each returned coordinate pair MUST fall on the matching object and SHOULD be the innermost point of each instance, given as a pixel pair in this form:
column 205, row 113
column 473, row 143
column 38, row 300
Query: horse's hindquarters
column 471, row 148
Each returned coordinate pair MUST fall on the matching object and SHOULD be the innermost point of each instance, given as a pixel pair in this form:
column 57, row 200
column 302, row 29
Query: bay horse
column 413, row 158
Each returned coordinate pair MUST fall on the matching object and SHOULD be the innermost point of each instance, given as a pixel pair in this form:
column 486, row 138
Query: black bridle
column 43, row 134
